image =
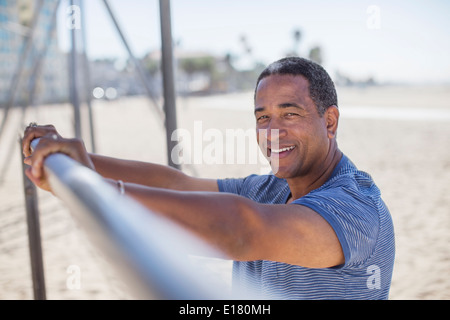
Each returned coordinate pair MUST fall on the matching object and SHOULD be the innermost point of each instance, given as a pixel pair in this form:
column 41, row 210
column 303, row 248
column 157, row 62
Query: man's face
column 297, row 141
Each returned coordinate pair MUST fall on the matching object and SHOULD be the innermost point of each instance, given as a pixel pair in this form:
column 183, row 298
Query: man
column 315, row 229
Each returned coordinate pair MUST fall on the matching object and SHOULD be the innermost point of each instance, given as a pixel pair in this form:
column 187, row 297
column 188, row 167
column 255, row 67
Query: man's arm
column 245, row 230
column 150, row 174
column 133, row 171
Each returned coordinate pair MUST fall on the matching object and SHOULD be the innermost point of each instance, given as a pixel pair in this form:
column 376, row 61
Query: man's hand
column 50, row 142
column 33, row 131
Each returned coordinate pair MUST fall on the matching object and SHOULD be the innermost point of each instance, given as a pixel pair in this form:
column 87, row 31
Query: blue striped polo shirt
column 351, row 203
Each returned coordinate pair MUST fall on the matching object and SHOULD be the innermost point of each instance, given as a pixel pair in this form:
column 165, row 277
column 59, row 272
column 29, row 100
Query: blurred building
column 200, row 73
column 15, row 21
column 109, row 74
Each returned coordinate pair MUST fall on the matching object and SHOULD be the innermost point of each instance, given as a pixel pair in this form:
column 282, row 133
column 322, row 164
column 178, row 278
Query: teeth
column 283, row 149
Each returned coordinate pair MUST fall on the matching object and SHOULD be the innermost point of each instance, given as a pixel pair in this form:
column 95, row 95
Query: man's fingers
column 26, row 141
column 46, row 146
column 50, row 142
column 32, row 178
column 36, row 169
column 33, row 132
column 38, row 182
column 27, row 160
column 30, row 175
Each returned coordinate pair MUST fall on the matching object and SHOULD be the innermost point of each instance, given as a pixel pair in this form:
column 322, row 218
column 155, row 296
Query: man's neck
column 301, row 186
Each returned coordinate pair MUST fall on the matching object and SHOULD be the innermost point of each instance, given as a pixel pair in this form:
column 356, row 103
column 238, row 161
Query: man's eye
column 261, row 118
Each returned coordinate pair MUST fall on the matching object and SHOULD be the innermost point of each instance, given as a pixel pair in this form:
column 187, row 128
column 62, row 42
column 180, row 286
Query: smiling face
column 300, row 143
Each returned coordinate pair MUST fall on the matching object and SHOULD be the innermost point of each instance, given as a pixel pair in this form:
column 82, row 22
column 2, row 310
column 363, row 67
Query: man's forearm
column 223, row 220
column 149, row 174
column 138, row 172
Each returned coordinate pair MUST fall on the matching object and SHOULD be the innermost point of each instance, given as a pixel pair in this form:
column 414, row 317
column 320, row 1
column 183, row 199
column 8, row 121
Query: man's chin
column 280, row 172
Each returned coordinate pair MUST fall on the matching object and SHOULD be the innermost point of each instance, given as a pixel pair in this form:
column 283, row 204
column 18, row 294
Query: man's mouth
column 280, row 153
column 282, row 149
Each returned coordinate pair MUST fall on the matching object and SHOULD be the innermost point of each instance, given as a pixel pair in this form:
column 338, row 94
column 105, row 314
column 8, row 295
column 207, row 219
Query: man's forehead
column 283, row 79
column 281, row 85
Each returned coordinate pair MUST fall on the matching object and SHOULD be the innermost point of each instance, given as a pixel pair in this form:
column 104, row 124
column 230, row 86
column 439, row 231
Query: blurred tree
column 315, row 54
column 191, row 65
column 151, row 65
column 25, row 9
column 295, row 51
column 297, row 38
column 245, row 44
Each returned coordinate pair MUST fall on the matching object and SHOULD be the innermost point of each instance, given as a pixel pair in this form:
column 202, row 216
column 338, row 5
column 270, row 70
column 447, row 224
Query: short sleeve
column 259, row 188
column 230, row 185
column 352, row 215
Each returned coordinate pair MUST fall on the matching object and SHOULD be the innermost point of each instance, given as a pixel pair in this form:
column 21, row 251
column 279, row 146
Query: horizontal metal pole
column 150, row 251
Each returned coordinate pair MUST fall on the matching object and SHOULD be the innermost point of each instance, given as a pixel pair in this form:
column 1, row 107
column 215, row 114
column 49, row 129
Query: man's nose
column 275, row 130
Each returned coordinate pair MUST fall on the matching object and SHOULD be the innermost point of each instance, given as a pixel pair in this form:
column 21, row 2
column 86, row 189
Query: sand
column 404, row 148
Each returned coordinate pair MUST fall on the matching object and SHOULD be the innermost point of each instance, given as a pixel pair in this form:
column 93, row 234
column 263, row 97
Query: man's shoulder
column 348, row 187
column 253, row 180
column 262, row 188
column 346, row 174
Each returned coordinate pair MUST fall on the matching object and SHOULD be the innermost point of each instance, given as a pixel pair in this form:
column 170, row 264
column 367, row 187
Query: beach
column 398, row 134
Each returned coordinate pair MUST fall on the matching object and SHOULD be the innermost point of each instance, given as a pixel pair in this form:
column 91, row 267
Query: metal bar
column 148, row 249
column 73, row 76
column 168, row 79
column 34, row 235
column 134, row 60
column 28, row 43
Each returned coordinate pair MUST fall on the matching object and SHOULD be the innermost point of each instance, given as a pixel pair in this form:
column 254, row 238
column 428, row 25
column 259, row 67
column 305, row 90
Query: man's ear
column 332, row 118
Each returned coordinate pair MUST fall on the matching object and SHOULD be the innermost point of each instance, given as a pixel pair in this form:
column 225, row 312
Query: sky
column 396, row 41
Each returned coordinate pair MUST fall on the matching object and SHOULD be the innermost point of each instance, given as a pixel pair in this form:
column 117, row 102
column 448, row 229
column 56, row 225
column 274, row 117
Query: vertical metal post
column 87, row 77
column 74, row 97
column 34, row 235
column 168, row 79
